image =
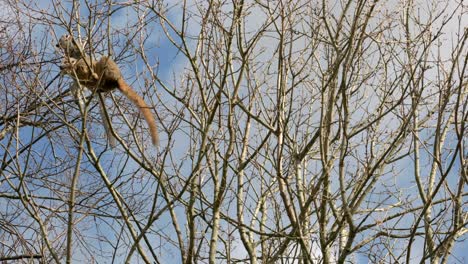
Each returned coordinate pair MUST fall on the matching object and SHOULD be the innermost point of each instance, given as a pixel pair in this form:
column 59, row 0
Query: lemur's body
column 102, row 76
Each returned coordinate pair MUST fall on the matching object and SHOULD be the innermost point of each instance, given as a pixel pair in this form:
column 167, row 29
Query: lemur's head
column 68, row 46
column 63, row 41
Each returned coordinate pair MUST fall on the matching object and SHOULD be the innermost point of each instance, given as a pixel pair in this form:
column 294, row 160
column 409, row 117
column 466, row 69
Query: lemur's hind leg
column 106, row 122
column 77, row 94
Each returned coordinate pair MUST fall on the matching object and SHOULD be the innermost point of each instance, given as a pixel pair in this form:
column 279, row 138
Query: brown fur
column 144, row 109
column 104, row 76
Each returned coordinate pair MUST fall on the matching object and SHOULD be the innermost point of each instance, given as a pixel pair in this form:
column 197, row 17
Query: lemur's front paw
column 64, row 69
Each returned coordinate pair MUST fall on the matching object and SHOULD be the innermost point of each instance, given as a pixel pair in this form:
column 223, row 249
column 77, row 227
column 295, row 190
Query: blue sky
column 170, row 66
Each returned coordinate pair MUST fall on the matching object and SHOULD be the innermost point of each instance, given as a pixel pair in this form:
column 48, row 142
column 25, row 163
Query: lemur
column 102, row 76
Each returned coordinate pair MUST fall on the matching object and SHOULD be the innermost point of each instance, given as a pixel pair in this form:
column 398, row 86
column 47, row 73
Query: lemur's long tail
column 142, row 106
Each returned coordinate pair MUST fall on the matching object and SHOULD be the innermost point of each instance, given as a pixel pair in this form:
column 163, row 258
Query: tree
column 291, row 132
